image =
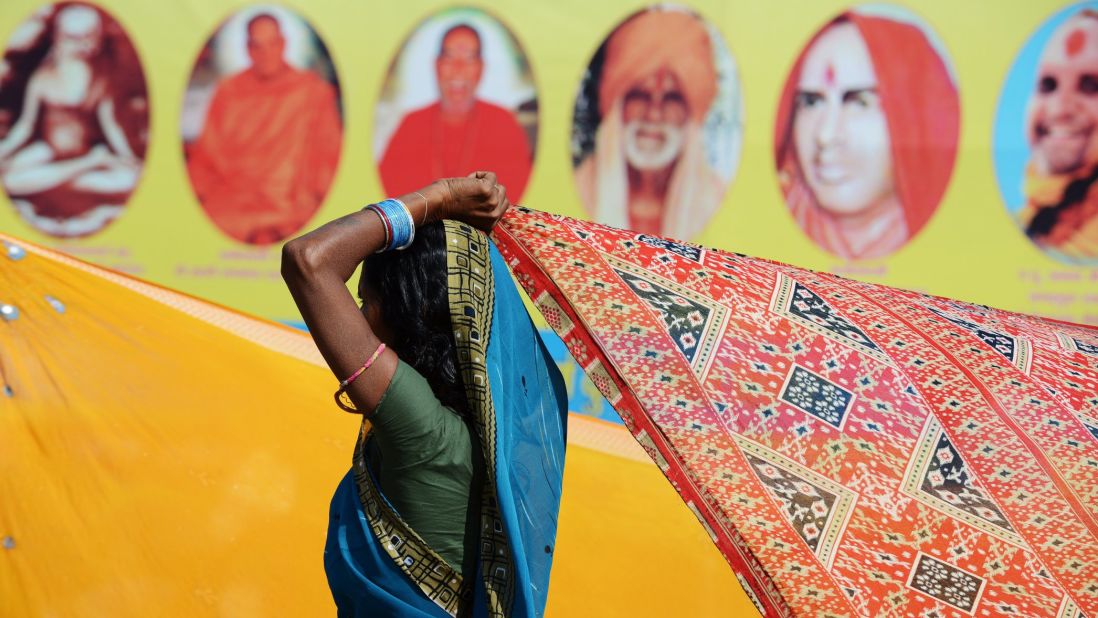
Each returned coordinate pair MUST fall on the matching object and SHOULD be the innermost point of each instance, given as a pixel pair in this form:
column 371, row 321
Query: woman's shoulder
column 409, row 405
column 413, row 428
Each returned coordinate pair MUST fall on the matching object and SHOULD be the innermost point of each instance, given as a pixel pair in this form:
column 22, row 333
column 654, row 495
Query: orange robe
column 1071, row 231
column 424, row 149
column 267, row 153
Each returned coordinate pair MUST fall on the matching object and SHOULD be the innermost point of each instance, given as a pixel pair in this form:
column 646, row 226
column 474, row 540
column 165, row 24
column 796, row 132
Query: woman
column 866, row 135
column 451, row 504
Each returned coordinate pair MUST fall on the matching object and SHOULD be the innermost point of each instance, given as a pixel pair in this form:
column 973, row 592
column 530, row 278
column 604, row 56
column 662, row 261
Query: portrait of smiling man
column 459, row 132
column 1061, row 211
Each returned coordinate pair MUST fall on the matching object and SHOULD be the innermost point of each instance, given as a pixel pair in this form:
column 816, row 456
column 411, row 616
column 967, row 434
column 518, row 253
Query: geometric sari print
column 852, row 449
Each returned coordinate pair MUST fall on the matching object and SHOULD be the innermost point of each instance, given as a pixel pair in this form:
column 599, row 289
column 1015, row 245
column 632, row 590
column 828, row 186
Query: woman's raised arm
column 316, row 268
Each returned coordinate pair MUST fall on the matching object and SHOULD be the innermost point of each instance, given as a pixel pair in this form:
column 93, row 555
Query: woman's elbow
column 300, row 260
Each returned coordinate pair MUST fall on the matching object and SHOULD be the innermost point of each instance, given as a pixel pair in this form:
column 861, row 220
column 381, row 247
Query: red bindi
column 1075, row 42
column 829, row 75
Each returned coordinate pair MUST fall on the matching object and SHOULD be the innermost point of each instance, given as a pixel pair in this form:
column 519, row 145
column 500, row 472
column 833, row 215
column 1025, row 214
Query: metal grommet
column 9, row 312
column 56, row 304
column 14, row 251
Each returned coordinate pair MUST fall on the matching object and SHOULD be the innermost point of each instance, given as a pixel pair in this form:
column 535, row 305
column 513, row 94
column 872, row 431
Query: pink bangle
column 342, row 390
column 385, row 223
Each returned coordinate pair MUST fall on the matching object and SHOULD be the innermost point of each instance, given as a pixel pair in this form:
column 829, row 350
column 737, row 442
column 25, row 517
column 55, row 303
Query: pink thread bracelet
column 344, row 384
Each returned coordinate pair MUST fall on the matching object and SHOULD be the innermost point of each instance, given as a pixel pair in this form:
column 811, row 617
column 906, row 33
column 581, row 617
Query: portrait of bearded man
column 649, row 170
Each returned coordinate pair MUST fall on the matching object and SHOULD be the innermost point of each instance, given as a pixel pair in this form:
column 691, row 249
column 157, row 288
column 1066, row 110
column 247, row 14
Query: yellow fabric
column 164, row 456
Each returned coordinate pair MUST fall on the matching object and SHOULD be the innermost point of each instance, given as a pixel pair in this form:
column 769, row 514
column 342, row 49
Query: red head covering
column 657, row 39
column 920, row 104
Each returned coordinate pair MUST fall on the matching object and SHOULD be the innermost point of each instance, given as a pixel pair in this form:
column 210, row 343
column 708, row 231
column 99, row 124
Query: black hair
column 412, row 293
column 258, row 17
column 455, row 28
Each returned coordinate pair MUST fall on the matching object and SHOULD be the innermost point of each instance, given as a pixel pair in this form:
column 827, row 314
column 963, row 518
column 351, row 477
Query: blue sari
column 377, row 566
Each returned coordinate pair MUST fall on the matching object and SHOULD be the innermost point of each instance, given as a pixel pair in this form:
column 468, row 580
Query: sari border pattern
column 471, row 285
column 422, row 565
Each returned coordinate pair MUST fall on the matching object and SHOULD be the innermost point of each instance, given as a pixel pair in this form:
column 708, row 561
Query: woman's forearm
column 335, row 248
column 338, row 247
column 316, row 268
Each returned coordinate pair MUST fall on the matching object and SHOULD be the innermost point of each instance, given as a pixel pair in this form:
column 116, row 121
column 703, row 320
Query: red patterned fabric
column 852, row 449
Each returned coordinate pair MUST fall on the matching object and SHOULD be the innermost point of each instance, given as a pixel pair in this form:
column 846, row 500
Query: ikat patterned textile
column 852, row 449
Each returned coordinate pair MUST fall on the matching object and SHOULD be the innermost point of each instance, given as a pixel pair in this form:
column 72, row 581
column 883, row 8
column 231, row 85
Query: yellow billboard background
column 971, row 249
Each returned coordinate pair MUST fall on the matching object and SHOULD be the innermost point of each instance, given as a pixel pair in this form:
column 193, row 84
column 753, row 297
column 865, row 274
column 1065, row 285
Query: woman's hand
column 476, row 199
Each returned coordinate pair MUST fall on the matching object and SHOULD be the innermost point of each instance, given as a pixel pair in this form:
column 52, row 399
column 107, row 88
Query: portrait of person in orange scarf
column 648, row 169
column 1061, row 210
column 270, row 138
column 458, row 131
column 73, row 119
column 866, row 134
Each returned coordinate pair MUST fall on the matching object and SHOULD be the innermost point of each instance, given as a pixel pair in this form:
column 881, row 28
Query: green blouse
column 429, row 466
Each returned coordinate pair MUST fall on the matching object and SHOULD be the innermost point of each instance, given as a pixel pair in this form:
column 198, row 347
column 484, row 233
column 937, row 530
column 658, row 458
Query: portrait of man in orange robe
column 459, row 133
column 270, row 143
column 1061, row 210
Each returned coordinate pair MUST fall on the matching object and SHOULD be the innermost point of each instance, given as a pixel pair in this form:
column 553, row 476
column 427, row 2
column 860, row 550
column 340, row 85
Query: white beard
column 645, row 160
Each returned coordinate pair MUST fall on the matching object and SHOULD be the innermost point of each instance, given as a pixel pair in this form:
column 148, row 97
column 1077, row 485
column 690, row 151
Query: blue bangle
column 403, row 227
